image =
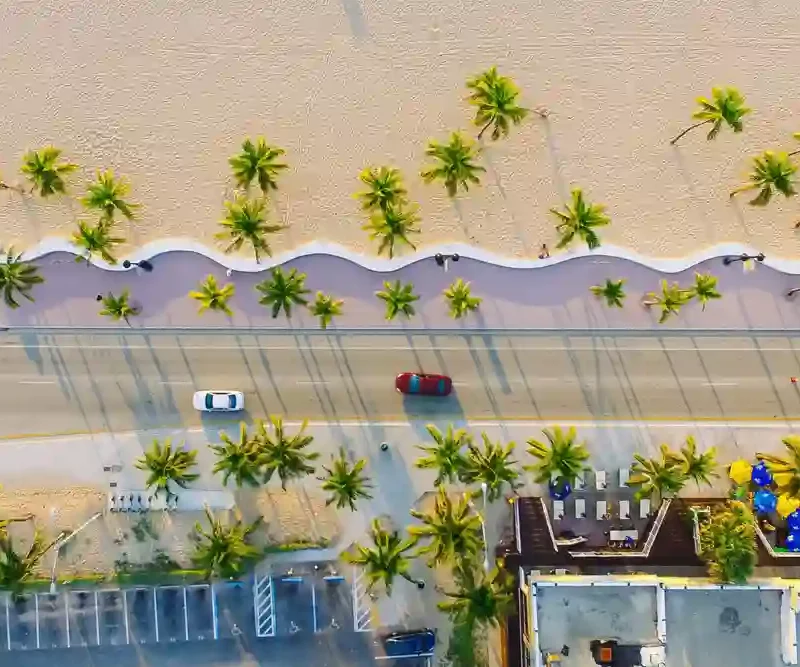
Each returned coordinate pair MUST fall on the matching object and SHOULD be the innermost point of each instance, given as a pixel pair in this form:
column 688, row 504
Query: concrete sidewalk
column 553, row 297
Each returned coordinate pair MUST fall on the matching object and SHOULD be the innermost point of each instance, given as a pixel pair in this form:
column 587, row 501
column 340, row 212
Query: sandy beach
column 164, row 93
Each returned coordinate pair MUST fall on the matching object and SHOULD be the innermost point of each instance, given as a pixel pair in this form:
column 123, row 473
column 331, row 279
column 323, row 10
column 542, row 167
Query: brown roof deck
column 673, row 547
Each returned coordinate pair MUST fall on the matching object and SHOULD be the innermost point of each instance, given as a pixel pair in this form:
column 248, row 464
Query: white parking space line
column 66, row 616
column 36, row 607
column 97, row 616
column 155, row 611
column 8, row 622
column 214, row 619
column 125, row 616
column 185, row 614
column 314, row 603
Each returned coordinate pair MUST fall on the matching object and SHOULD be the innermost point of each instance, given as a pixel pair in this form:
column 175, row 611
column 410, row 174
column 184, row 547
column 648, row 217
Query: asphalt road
column 106, row 382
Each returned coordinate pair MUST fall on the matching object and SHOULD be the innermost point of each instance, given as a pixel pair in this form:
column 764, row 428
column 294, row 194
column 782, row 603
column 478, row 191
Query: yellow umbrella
column 741, row 471
column 787, row 505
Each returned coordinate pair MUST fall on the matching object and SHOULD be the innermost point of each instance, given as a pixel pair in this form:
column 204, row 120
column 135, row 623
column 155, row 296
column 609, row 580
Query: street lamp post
column 144, row 265
column 63, row 538
column 744, row 257
column 444, row 260
column 484, row 490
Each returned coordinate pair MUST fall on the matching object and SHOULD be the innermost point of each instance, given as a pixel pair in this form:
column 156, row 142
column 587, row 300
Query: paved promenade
column 554, row 297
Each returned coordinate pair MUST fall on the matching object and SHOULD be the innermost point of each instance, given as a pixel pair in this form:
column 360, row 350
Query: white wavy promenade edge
column 384, row 265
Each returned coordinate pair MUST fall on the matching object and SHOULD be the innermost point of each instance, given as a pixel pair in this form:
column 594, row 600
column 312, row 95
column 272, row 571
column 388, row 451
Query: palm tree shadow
column 558, row 177
column 487, row 156
column 355, row 16
column 30, row 343
column 737, row 210
column 460, row 214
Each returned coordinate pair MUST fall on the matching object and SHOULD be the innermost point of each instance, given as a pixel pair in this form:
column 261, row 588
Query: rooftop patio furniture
column 600, row 480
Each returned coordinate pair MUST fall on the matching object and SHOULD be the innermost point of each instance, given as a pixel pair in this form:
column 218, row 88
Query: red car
column 424, row 384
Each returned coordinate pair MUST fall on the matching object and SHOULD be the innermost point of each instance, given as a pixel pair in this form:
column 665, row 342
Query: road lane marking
column 169, row 382
column 599, row 347
column 37, row 381
column 720, row 384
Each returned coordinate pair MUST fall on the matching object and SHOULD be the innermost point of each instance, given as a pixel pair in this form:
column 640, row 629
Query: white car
column 218, row 401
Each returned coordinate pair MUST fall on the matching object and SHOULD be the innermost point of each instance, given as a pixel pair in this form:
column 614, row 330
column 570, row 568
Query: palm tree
column 612, row 291
column 656, row 476
column 17, row 277
column 224, row 550
column 460, row 299
column 446, row 456
column 453, row 529
column 726, row 106
column 386, row 559
column 325, row 307
column 694, row 466
column 45, row 171
column 246, row 222
column 258, row 161
column 562, row 457
column 705, row 288
column 772, row 172
column 728, row 543
column 119, row 307
column 283, row 291
column 495, row 97
column 213, row 296
column 492, row 466
column 16, row 569
column 785, row 469
column 240, row 460
column 399, row 298
column 482, row 598
column 107, row 195
column 670, row 300
column 285, row 454
column 392, row 225
column 580, row 219
column 165, row 464
column 96, row 239
column 455, row 163
column 345, row 482
column 385, row 188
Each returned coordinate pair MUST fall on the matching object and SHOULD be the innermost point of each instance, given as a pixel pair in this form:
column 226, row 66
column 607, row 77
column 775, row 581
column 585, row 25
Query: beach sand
column 165, row 92
column 289, row 516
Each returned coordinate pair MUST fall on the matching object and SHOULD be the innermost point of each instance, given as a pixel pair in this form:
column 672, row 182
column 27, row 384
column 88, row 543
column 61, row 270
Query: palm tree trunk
column 6, row 186
column 417, row 582
column 744, row 188
column 484, row 128
column 689, row 129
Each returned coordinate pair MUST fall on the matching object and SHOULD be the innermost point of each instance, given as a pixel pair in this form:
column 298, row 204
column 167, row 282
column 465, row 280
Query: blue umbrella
column 761, row 474
column 764, row 501
column 793, row 541
column 793, row 521
column 559, row 488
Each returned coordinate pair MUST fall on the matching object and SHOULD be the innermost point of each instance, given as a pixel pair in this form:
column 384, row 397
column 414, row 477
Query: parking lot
column 282, row 604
